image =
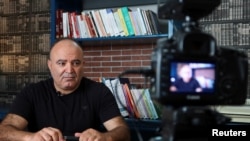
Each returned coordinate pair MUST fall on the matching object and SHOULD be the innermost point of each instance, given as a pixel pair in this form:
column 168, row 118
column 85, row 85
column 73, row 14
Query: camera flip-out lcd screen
column 192, row 77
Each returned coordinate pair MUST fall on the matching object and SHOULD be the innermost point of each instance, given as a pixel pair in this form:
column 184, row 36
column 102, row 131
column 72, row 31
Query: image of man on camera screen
column 191, row 77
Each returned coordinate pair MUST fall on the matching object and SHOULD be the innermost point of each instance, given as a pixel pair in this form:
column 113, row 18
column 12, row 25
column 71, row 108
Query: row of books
column 109, row 22
column 24, row 43
column 40, row 42
column 23, row 63
column 8, row 7
column 230, row 10
column 229, row 34
column 132, row 102
column 13, row 63
column 25, row 23
column 21, row 6
column 17, row 82
column 38, row 63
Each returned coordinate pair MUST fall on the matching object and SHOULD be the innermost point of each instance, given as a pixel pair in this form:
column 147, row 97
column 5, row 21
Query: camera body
column 189, row 68
column 189, row 73
column 221, row 72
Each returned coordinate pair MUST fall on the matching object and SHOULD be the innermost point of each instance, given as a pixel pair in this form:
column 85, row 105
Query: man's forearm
column 121, row 133
column 10, row 133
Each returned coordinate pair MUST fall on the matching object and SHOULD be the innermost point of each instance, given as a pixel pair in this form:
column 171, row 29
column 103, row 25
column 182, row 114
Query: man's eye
column 76, row 63
column 61, row 63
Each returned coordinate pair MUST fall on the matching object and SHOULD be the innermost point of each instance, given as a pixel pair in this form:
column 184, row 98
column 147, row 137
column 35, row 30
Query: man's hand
column 46, row 134
column 92, row 135
column 117, row 130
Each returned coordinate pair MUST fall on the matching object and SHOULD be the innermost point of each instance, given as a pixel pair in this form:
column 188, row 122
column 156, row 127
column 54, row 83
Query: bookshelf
column 79, row 6
column 102, row 42
column 24, row 45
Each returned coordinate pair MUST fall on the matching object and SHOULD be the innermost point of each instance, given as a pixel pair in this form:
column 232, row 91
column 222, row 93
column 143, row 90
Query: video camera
column 189, row 73
column 221, row 72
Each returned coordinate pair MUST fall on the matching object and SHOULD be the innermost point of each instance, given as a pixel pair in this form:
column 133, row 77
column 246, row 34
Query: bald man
column 186, row 82
column 66, row 105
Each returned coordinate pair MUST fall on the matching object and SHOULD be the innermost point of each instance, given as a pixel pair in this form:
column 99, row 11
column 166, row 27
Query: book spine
column 146, row 19
column 98, row 28
column 112, row 24
column 141, row 22
column 138, row 102
column 123, row 24
column 118, row 23
column 154, row 21
column 128, row 23
column 100, row 23
column 91, row 25
column 134, row 23
column 75, row 30
column 135, row 110
column 151, row 105
column 71, row 25
column 86, row 25
column 128, row 102
column 59, row 23
column 106, row 22
column 83, row 30
column 65, row 25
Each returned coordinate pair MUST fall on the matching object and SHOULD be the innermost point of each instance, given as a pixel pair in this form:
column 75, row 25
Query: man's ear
column 49, row 64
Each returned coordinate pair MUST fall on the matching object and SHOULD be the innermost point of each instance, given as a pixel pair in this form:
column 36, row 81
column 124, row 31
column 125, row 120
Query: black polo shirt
column 87, row 107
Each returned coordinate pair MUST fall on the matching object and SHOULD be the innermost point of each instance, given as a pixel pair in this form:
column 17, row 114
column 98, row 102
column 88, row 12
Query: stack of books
column 109, row 22
column 132, row 102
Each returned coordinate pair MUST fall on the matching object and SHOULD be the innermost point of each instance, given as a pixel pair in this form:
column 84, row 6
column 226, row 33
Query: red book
column 131, row 100
column 59, row 28
column 76, row 32
column 90, row 25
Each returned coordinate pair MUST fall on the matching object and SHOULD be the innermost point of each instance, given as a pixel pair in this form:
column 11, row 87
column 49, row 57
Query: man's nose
column 69, row 67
